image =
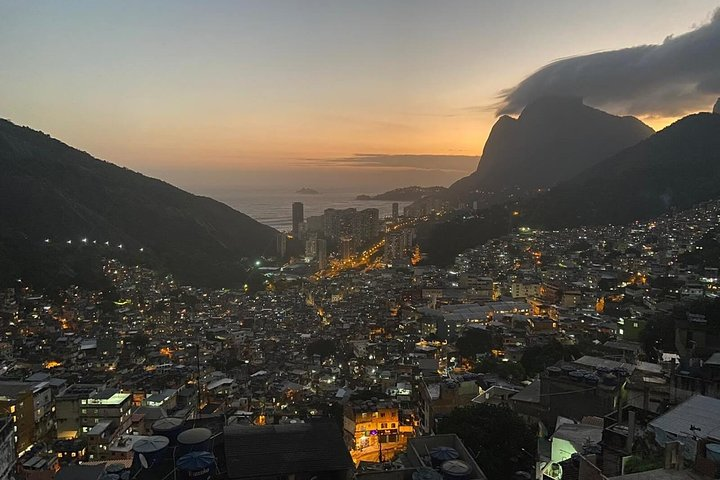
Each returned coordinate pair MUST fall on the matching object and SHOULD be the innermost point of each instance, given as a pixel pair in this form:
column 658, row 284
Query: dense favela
column 521, row 280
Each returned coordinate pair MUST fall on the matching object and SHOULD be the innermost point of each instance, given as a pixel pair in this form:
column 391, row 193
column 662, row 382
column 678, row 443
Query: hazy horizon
column 368, row 95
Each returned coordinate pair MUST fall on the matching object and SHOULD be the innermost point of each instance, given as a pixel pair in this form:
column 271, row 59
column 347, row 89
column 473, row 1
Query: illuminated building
column 395, row 210
column 298, row 217
column 395, row 247
column 322, row 253
column 7, row 447
column 311, row 245
column 374, row 426
column 67, row 409
column 31, row 407
column 103, row 418
column 347, row 247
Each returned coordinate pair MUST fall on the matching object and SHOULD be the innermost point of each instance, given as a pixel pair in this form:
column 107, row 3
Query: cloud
column 439, row 163
column 679, row 75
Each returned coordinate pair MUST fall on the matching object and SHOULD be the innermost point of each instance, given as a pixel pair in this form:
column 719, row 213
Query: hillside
column 404, row 194
column 552, row 140
column 49, row 190
column 672, row 169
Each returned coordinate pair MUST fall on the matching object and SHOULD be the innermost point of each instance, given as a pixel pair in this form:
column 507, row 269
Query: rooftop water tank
column 149, row 450
column 712, row 451
column 455, row 470
column 196, row 466
column 115, row 468
column 554, row 371
column 194, row 440
column 610, row 380
column 169, row 427
column 426, row 473
column 441, row 454
column 577, row 375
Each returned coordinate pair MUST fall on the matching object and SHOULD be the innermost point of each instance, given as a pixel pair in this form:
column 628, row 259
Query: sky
column 365, row 95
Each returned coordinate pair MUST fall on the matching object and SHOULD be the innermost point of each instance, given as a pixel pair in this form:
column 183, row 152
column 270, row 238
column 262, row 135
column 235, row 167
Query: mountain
column 552, row 140
column 670, row 170
column 49, row 190
column 404, row 194
column 673, row 169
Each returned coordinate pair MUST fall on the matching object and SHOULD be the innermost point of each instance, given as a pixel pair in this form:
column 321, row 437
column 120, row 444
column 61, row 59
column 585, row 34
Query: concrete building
column 31, row 405
column 104, row 417
column 7, row 448
column 67, row 409
column 298, row 217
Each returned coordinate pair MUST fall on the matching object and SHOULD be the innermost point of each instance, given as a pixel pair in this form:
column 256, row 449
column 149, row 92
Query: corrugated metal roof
column 700, row 411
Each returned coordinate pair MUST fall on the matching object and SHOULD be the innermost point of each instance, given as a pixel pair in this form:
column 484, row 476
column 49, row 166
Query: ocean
column 274, row 208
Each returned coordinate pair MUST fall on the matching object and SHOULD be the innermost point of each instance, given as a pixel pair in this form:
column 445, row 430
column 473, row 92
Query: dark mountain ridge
column 552, row 140
column 673, row 169
column 51, row 190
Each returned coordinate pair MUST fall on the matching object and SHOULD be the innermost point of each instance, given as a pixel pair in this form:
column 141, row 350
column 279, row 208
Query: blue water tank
column 426, row 473
column 455, row 470
column 196, row 466
column 441, row 454
column 149, row 450
column 115, row 468
column 169, row 427
column 194, row 440
column 712, row 451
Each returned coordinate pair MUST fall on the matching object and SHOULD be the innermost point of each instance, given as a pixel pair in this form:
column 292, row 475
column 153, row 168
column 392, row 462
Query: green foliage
column 658, row 334
column 673, row 169
column 507, row 370
column 501, row 440
column 323, row 347
column 50, row 190
column 536, row 358
column 708, row 253
column 474, row 342
column 636, row 464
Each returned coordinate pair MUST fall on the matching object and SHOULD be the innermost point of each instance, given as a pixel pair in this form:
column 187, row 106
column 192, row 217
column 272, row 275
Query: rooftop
column 273, row 450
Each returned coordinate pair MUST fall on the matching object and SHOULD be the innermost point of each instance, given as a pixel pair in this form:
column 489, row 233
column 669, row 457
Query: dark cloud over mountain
column 679, row 75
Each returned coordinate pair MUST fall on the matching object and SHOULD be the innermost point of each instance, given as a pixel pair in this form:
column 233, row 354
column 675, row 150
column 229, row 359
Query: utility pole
column 197, row 357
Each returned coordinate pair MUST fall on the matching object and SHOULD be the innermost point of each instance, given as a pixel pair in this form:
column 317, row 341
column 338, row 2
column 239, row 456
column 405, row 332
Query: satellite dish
column 143, row 460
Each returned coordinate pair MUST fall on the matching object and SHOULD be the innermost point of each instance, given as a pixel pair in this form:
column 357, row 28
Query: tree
column 536, row 358
column 473, row 342
column 498, row 437
column 506, row 370
column 323, row 347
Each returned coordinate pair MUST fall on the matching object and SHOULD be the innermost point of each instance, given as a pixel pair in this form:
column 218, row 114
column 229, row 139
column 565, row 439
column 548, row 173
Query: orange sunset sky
column 373, row 94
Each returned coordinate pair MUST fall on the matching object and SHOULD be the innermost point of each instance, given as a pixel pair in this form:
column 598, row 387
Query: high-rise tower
column 298, row 217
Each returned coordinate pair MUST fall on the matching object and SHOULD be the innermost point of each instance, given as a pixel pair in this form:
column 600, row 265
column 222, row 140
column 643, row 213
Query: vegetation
column 536, row 358
column 673, row 169
column 498, row 437
column 323, row 347
column 507, row 370
column 49, row 190
column 473, row 342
